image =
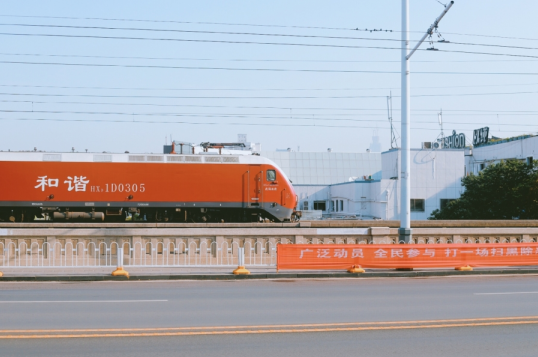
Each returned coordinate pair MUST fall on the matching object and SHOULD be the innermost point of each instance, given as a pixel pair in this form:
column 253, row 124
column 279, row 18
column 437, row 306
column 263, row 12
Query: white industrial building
column 435, row 180
column 325, row 168
column 523, row 148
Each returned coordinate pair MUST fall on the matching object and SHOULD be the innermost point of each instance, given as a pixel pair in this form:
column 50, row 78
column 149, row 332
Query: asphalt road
column 478, row 316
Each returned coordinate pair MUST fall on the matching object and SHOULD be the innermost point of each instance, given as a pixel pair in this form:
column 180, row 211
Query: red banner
column 340, row 256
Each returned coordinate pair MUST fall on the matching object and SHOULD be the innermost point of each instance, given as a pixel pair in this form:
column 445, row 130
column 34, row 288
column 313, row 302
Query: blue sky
column 118, row 108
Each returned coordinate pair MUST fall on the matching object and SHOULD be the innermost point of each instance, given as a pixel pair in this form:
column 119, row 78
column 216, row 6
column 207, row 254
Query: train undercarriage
column 173, row 215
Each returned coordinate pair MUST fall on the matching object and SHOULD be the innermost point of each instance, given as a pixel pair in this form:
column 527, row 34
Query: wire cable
column 251, row 60
column 462, row 112
column 201, row 32
column 240, row 116
column 258, row 34
column 216, row 123
column 255, row 97
column 251, row 43
column 258, row 89
column 197, row 23
column 258, row 25
column 260, row 69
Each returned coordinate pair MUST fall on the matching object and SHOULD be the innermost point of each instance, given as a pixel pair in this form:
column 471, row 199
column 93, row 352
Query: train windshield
column 271, row 175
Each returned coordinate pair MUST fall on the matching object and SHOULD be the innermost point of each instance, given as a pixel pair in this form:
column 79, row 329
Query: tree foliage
column 507, row 190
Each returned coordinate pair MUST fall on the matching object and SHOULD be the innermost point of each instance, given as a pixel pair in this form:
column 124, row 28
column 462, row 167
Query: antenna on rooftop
column 440, row 120
column 393, row 139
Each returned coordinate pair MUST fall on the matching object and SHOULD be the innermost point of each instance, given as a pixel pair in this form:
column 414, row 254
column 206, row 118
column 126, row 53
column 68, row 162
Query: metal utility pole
column 404, row 232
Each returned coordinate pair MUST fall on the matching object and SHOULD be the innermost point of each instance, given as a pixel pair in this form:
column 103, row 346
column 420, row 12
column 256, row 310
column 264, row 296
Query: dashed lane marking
column 509, row 293
column 75, row 301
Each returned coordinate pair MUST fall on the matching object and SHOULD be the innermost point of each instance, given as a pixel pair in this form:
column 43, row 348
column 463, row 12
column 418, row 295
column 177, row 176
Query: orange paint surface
column 145, row 182
column 340, row 257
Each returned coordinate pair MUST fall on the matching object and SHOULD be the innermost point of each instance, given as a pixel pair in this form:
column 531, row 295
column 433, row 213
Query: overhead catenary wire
column 212, row 123
column 189, row 40
column 186, row 22
column 255, row 89
column 237, row 116
column 287, row 108
column 260, row 69
column 254, row 60
column 350, row 28
column 257, row 34
column 256, row 97
column 250, row 43
column 199, row 32
column 186, row 122
column 234, row 116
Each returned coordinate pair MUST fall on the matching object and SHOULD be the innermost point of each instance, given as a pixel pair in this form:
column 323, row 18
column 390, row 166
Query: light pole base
column 241, row 270
column 404, row 235
column 465, row 268
column 356, row 269
column 120, row 272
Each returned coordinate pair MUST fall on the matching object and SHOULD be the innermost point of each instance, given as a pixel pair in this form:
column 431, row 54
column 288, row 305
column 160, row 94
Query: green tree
column 506, row 190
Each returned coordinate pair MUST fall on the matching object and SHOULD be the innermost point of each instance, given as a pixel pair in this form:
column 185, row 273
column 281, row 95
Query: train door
column 246, row 190
column 255, row 191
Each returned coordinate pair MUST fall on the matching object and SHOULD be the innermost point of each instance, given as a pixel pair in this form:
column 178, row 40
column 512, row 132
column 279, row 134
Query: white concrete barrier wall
column 208, row 247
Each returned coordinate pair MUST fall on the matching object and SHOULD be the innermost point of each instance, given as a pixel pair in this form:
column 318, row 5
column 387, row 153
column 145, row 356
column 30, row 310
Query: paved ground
column 162, row 308
column 225, row 273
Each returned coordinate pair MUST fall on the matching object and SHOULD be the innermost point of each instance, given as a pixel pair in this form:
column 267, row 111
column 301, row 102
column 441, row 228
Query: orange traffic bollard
column 241, row 270
column 465, row 268
column 119, row 270
column 356, row 269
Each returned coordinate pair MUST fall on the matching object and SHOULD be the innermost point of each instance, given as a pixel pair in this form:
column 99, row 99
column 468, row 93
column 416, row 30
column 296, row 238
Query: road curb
column 287, row 275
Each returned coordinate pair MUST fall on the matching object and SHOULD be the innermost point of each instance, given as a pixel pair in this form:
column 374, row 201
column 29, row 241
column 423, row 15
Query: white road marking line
column 75, row 301
column 513, row 293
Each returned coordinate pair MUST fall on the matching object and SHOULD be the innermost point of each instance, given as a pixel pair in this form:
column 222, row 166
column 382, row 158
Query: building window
column 482, row 167
column 271, row 175
column 445, row 202
column 320, row 206
column 341, row 205
column 332, row 207
column 305, row 206
column 417, row 205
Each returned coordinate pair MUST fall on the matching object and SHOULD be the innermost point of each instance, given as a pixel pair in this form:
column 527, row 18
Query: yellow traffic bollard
column 241, row 270
column 465, row 268
column 119, row 270
column 356, row 269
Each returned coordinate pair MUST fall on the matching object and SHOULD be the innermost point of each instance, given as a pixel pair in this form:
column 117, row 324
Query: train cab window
column 271, row 175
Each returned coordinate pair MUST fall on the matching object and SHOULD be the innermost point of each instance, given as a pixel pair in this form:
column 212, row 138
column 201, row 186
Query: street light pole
column 405, row 233
column 405, row 183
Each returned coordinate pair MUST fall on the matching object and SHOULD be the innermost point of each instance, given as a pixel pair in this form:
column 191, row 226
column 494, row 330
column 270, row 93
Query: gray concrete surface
column 225, row 273
column 517, row 341
column 158, row 304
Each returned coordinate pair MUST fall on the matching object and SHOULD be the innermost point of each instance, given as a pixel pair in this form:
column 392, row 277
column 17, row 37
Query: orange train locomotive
column 174, row 188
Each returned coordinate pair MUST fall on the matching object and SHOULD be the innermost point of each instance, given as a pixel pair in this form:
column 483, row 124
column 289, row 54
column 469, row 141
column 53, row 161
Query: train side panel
column 145, row 185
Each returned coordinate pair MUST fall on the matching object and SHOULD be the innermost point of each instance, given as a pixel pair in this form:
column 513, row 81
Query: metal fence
column 100, row 254
column 196, row 252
